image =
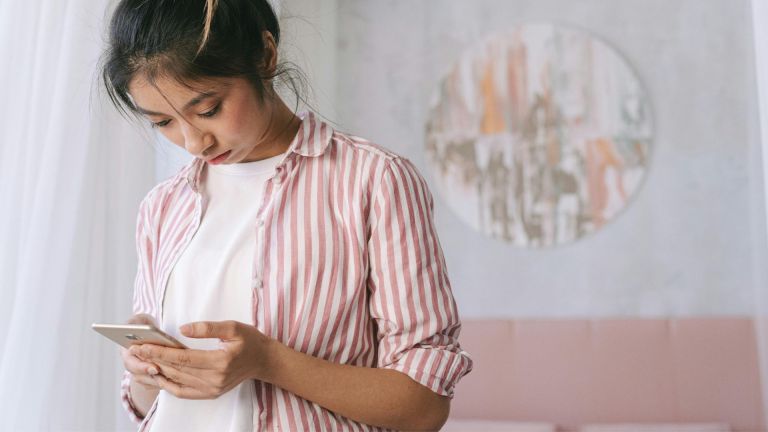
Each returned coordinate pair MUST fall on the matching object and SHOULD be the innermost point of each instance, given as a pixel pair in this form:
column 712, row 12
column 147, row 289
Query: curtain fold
column 72, row 172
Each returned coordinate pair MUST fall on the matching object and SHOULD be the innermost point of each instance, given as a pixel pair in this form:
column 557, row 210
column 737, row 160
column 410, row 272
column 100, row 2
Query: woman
column 299, row 264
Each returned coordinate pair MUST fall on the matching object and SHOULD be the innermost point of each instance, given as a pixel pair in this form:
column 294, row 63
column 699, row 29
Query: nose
column 196, row 141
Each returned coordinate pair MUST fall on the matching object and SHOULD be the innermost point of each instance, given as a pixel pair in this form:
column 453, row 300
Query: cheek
column 241, row 125
column 236, row 125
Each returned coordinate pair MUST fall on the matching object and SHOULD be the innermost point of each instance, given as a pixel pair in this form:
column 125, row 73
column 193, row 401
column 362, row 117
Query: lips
column 220, row 158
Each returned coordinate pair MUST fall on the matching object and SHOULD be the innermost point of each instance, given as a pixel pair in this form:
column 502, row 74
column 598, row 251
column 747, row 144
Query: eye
column 207, row 114
column 212, row 112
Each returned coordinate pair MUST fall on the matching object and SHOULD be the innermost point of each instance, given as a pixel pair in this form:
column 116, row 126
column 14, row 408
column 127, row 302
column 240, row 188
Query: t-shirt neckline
column 247, row 168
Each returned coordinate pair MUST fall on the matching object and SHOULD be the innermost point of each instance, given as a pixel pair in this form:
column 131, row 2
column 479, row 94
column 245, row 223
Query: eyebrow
column 194, row 101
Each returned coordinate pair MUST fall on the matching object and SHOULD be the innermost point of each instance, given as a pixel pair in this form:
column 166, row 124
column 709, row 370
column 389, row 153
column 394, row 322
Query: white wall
column 760, row 25
column 309, row 36
column 689, row 242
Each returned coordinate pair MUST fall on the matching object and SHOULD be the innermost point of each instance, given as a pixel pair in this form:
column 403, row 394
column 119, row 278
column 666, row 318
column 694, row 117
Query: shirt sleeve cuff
column 125, row 395
column 439, row 370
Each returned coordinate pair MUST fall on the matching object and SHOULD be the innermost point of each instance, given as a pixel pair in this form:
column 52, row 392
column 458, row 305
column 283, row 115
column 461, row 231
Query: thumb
column 223, row 330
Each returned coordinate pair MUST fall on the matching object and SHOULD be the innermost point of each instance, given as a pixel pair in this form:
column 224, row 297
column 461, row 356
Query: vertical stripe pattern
column 351, row 269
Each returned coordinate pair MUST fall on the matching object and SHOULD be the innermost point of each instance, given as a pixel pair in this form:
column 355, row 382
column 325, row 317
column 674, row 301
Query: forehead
column 152, row 96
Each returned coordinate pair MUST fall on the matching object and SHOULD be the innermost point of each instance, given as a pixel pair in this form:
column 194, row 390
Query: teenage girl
column 299, row 264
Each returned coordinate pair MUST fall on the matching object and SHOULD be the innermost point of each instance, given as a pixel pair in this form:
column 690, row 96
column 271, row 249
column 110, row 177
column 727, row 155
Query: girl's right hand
column 141, row 370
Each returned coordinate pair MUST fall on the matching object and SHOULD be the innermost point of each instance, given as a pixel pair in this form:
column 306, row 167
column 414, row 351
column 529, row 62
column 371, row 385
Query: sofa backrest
column 572, row 372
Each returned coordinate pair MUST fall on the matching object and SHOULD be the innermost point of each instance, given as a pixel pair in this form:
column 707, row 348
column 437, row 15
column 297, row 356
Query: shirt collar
column 311, row 140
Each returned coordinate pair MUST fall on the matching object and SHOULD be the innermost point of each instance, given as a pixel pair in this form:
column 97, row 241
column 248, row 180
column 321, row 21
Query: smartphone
column 136, row 334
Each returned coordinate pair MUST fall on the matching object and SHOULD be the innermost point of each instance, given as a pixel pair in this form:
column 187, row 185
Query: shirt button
column 260, row 222
column 257, row 282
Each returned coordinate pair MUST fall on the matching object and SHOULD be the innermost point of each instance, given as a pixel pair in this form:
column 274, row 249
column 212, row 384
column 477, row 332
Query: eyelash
column 208, row 114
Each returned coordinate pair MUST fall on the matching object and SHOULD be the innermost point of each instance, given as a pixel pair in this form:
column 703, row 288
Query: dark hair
column 191, row 41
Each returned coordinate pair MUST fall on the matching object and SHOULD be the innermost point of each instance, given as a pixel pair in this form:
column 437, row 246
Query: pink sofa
column 595, row 374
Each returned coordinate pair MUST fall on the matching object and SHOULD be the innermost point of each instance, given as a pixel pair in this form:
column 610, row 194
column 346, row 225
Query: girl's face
column 226, row 117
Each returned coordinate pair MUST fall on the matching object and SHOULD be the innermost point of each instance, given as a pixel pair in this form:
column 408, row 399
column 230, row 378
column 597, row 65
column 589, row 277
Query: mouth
column 220, row 158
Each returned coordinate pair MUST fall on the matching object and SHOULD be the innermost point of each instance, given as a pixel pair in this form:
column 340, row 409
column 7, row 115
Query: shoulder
column 379, row 163
column 161, row 191
column 342, row 145
column 362, row 145
column 386, row 159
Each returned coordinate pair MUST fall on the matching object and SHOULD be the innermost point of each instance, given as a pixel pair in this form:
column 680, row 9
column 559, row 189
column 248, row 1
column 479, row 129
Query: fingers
column 138, row 366
column 142, row 318
column 179, row 390
column 180, row 358
column 182, row 391
column 200, row 380
column 199, row 384
column 224, row 330
column 146, row 381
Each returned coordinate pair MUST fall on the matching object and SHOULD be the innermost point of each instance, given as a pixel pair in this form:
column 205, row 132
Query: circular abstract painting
column 539, row 136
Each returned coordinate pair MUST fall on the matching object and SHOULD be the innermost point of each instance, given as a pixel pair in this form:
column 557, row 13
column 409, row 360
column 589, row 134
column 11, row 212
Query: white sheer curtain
column 72, row 173
column 760, row 31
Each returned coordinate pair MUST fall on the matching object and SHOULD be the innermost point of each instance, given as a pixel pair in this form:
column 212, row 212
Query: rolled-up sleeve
column 125, row 395
column 410, row 295
column 143, row 298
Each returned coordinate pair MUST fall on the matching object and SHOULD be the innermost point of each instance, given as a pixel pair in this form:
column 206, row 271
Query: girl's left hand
column 207, row 374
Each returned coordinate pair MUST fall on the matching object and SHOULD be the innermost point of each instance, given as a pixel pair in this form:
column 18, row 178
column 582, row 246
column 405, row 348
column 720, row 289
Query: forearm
column 378, row 397
column 143, row 397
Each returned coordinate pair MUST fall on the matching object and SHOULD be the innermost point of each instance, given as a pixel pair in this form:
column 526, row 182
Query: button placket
column 257, row 278
column 257, row 281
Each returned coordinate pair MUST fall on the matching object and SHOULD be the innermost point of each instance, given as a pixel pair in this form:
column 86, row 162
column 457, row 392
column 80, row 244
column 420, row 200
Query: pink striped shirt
column 350, row 269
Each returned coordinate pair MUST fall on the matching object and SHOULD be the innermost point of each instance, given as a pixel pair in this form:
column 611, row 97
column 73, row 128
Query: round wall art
column 539, row 136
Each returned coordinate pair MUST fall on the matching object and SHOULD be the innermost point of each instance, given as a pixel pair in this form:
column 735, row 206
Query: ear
column 270, row 52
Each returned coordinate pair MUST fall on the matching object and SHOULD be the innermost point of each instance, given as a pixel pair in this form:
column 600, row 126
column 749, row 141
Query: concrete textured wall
column 686, row 245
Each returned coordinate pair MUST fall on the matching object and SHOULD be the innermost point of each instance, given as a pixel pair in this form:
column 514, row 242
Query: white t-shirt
column 212, row 282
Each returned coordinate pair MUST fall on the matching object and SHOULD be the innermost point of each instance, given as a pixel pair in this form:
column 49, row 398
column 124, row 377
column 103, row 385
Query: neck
column 283, row 126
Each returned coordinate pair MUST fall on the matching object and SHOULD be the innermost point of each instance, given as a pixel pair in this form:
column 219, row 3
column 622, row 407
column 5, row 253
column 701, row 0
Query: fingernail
column 152, row 371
